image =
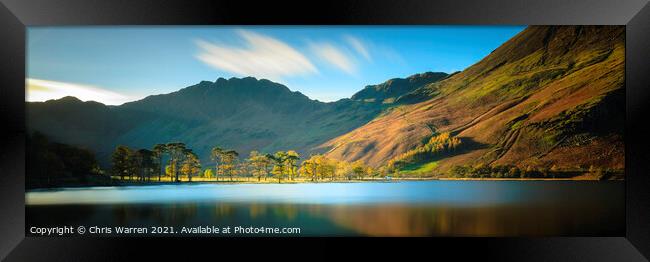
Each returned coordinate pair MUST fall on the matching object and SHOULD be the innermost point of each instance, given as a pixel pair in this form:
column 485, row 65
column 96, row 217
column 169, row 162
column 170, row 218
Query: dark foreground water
column 423, row 208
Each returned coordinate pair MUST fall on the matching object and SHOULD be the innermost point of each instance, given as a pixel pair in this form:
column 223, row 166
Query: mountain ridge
column 392, row 89
column 240, row 113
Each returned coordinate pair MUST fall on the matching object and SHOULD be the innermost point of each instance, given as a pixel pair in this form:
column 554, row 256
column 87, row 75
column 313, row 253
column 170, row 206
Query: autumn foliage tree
column 291, row 163
column 278, row 160
column 177, row 151
column 191, row 165
column 229, row 160
column 215, row 155
column 436, row 146
column 259, row 164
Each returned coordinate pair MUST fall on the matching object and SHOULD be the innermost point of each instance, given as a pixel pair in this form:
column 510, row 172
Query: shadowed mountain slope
column 243, row 114
column 393, row 89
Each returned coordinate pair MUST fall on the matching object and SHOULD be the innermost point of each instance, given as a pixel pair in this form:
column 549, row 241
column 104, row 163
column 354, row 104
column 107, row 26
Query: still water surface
column 419, row 208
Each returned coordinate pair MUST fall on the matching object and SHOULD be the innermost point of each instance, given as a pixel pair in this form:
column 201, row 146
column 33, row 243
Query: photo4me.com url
column 163, row 230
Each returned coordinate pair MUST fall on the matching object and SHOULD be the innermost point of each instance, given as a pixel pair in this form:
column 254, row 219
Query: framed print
column 513, row 129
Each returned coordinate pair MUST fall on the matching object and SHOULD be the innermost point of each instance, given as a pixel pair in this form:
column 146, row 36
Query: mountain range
column 240, row 113
column 550, row 96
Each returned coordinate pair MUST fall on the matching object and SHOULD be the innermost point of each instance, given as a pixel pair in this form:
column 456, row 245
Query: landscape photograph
column 326, row 130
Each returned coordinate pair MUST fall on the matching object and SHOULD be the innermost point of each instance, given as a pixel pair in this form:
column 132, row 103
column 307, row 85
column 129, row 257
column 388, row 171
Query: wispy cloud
column 261, row 56
column 43, row 90
column 359, row 46
column 334, row 56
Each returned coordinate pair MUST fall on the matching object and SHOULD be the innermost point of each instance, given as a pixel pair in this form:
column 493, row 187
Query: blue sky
column 117, row 64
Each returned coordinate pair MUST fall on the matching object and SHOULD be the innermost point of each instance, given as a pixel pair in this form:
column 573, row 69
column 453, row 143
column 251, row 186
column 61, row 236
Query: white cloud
column 261, row 56
column 335, row 57
column 43, row 90
column 359, row 46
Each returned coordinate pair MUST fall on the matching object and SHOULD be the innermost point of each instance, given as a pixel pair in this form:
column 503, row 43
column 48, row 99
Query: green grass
column 517, row 125
column 419, row 169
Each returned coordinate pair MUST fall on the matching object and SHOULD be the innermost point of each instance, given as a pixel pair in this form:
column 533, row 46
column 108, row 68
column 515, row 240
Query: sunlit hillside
column 551, row 97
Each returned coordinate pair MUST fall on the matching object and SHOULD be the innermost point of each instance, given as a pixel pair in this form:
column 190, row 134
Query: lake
column 415, row 208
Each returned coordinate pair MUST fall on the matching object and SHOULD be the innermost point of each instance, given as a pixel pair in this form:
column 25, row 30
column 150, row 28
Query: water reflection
column 481, row 221
column 597, row 210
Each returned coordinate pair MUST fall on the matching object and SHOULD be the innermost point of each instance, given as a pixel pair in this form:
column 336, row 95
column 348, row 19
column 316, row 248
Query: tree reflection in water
column 365, row 220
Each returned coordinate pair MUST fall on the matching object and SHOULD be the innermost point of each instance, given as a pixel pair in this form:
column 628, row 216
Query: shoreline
column 371, row 180
column 529, row 179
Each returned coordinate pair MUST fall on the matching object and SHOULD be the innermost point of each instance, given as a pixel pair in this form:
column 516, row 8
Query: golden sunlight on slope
column 548, row 91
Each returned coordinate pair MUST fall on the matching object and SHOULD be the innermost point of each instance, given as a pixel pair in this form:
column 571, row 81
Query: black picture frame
column 15, row 15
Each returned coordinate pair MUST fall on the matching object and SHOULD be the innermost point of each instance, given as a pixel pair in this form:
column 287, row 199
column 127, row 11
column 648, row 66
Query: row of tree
column 144, row 163
column 481, row 170
column 175, row 160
